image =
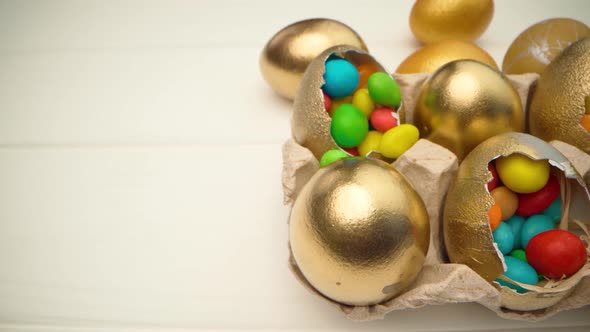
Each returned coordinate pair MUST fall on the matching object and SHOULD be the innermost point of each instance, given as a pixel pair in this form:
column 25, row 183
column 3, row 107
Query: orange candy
column 495, row 216
column 507, row 200
column 365, row 70
column 585, row 122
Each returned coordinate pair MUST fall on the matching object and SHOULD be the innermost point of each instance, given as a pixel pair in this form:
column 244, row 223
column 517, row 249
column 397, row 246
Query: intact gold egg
column 310, row 123
column 467, row 233
column 558, row 103
column 288, row 53
column 430, row 57
column 540, row 43
column 436, row 20
column 359, row 232
column 464, row 103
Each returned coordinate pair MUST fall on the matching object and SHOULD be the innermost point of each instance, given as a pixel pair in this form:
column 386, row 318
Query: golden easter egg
column 467, row 234
column 464, row 103
column 310, row 123
column 559, row 101
column 432, row 56
column 288, row 53
column 539, row 44
column 436, row 20
column 359, row 233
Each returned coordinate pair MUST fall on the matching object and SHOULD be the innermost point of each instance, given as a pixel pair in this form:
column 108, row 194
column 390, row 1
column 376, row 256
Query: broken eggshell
column 467, row 234
column 310, row 123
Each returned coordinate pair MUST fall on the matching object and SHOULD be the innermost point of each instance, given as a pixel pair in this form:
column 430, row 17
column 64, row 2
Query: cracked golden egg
column 358, row 231
column 464, row 103
column 436, row 20
column 467, row 233
column 288, row 53
column 562, row 98
column 310, row 123
column 539, row 44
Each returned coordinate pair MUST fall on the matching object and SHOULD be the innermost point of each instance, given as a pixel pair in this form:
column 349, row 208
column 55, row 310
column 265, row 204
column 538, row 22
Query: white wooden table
column 140, row 161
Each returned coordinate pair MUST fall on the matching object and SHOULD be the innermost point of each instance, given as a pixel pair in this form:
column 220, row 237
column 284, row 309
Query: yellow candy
column 522, row 174
column 339, row 101
column 362, row 100
column 398, row 140
column 370, row 143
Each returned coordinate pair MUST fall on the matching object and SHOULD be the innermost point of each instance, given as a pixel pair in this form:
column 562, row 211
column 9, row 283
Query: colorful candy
column 556, row 253
column 507, row 200
column 520, row 271
column 370, row 143
column 515, row 222
column 365, row 70
column 533, row 226
column 554, row 210
column 336, row 103
column 494, row 181
column 331, row 156
column 383, row 90
column 522, row 174
column 362, row 100
column 382, row 119
column 341, row 78
column 537, row 202
column 495, row 216
column 398, row 140
column 327, row 102
column 519, row 254
column 504, row 238
column 352, row 151
column 349, row 126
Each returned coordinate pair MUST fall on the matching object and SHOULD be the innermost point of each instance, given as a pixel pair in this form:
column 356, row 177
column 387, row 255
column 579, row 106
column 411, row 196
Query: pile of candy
column 363, row 105
column 527, row 206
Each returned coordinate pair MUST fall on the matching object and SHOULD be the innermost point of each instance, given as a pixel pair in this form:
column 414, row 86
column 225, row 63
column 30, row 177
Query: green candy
column 519, row 254
column 383, row 90
column 331, row 156
column 349, row 126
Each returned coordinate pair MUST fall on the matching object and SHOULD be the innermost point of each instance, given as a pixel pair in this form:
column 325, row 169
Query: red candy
column 537, row 202
column 327, row 102
column 494, row 181
column 382, row 119
column 352, row 151
column 556, row 253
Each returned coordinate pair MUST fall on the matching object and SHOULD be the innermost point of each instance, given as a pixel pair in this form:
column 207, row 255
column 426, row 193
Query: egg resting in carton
column 430, row 169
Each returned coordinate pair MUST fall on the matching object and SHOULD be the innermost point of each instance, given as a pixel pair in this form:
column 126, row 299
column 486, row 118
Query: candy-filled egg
column 464, row 103
column 468, row 235
column 359, row 233
column 561, row 100
column 539, row 44
column 288, row 53
column 362, row 97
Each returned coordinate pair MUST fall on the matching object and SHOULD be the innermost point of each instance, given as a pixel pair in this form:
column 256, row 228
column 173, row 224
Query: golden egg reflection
column 465, row 102
column 288, row 53
column 359, row 232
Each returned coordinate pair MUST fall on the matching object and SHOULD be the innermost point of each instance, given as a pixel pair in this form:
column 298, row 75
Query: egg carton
column 430, row 169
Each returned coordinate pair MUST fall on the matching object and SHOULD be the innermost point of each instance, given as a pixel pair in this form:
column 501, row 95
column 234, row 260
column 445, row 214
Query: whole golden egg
column 464, row 103
column 558, row 103
column 539, row 44
column 288, row 53
column 467, row 234
column 359, row 232
column 430, row 57
column 436, row 20
column 310, row 123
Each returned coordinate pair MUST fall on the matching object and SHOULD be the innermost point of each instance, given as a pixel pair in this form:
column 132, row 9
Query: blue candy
column 554, row 210
column 534, row 225
column 515, row 222
column 520, row 271
column 341, row 78
column 504, row 238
